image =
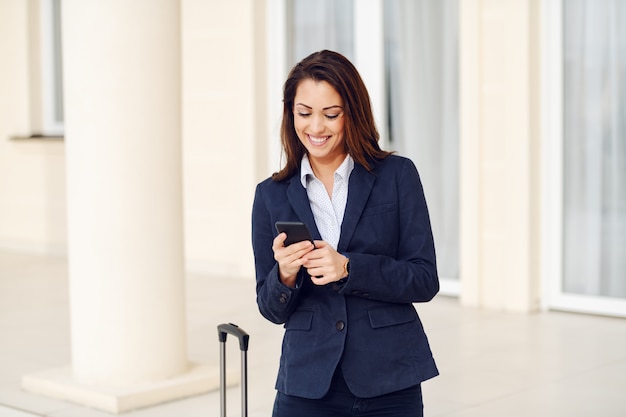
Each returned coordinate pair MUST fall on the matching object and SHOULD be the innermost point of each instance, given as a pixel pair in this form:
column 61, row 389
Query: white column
column 500, row 154
column 122, row 81
column 125, row 241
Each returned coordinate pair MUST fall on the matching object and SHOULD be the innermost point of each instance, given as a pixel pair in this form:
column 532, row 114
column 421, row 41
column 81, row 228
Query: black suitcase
column 222, row 331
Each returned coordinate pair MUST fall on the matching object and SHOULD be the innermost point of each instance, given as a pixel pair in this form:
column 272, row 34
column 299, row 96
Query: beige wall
column 32, row 191
column 223, row 81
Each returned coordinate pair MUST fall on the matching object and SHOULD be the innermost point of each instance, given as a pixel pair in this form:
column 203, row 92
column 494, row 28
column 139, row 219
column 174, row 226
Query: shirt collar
column 343, row 171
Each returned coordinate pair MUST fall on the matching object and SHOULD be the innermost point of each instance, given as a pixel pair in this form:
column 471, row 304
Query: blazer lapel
column 359, row 189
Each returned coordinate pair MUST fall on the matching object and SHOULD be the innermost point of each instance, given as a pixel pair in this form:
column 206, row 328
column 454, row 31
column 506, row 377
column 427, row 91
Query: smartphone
column 296, row 232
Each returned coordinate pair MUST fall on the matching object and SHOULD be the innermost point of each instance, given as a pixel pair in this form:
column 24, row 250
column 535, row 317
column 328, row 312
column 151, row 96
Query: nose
column 317, row 124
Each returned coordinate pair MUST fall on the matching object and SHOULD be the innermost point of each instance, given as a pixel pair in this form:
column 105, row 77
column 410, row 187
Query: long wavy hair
column 360, row 134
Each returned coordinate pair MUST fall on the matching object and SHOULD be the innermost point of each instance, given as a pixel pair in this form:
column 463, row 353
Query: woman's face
column 319, row 122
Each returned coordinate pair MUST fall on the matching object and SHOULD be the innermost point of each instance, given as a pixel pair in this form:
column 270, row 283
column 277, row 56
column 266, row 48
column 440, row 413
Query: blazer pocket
column 391, row 315
column 379, row 209
column 300, row 320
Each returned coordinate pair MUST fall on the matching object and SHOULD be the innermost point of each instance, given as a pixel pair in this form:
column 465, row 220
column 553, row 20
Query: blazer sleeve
column 406, row 271
column 275, row 300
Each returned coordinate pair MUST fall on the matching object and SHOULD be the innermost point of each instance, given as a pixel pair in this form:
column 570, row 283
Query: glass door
column 421, row 68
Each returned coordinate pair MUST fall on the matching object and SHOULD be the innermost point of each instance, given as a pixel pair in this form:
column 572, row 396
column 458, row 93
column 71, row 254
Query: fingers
column 324, row 264
column 320, row 244
column 289, row 257
column 296, row 250
column 279, row 241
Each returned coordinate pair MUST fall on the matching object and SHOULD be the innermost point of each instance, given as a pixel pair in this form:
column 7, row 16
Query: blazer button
column 340, row 325
column 283, row 298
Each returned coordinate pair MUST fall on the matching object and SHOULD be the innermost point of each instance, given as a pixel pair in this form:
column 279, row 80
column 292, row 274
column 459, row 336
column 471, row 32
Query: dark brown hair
column 360, row 133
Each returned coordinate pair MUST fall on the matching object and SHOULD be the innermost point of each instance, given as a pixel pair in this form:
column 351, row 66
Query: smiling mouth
column 318, row 140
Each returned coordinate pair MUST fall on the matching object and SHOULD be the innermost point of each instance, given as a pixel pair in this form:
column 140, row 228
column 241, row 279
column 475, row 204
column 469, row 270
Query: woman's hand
column 324, row 264
column 289, row 258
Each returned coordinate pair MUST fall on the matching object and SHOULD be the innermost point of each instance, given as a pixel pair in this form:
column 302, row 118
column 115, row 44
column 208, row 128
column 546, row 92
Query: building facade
column 475, row 92
column 133, row 135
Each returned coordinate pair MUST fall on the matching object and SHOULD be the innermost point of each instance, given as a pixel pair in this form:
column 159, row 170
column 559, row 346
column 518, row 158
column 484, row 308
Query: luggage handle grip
column 224, row 329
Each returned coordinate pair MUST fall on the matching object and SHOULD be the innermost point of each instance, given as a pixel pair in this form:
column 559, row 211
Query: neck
column 323, row 168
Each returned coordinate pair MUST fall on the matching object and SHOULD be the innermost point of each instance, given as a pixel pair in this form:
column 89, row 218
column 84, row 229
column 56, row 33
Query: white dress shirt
column 327, row 211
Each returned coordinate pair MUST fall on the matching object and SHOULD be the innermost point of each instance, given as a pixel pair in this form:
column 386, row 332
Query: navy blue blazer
column 368, row 324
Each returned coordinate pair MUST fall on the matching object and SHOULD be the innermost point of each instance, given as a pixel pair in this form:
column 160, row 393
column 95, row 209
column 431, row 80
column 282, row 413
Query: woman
column 353, row 343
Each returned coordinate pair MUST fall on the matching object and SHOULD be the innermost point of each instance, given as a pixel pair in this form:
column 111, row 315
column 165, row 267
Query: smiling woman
column 333, row 75
column 347, row 297
column 319, row 123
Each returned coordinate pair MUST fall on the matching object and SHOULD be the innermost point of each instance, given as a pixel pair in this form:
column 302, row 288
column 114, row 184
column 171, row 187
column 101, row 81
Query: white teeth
column 318, row 140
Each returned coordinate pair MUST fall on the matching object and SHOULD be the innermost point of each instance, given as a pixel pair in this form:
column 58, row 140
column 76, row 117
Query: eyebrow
column 325, row 108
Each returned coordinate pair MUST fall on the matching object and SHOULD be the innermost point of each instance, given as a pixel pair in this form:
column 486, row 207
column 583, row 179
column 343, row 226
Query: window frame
column 553, row 177
column 51, row 95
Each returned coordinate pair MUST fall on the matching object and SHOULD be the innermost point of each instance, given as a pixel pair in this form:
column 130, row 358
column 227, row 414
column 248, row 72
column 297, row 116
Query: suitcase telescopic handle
column 229, row 328
column 222, row 331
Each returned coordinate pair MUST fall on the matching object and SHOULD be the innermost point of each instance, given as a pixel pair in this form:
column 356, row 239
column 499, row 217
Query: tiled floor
column 492, row 363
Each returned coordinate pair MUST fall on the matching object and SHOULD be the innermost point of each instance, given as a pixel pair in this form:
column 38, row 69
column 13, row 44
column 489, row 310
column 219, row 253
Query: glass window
column 594, row 147
column 317, row 25
column 421, row 66
column 51, row 68
column 421, row 71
